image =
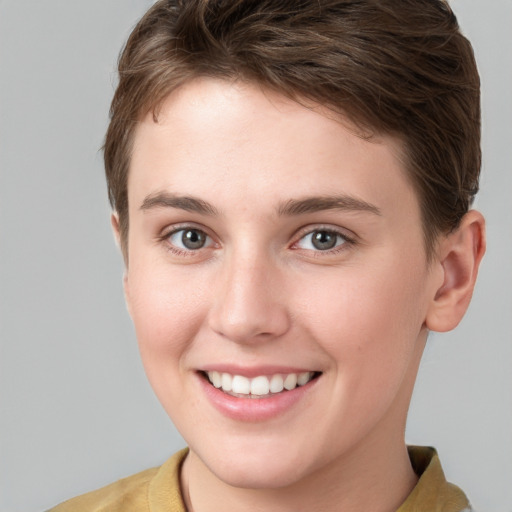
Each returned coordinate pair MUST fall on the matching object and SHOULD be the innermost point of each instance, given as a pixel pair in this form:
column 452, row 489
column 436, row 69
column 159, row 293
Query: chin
column 250, row 475
column 255, row 466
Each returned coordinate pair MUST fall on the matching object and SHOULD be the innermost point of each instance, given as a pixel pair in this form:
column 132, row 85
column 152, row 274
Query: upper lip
column 255, row 371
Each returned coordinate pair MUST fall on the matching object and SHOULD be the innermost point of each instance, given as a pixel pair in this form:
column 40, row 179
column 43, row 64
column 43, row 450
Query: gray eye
column 321, row 240
column 189, row 239
column 324, row 240
column 193, row 239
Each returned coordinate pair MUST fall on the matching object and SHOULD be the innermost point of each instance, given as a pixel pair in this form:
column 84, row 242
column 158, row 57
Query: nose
column 248, row 307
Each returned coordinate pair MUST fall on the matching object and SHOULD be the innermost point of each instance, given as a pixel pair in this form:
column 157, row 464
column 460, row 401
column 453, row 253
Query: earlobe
column 459, row 256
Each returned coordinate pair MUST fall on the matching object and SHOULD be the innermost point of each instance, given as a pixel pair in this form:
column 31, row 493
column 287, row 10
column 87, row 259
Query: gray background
column 76, row 411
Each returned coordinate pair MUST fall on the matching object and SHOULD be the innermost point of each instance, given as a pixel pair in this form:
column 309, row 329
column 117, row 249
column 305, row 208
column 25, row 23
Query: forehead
column 202, row 103
column 213, row 136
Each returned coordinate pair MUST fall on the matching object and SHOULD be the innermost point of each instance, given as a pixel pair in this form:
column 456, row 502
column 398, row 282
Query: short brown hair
column 397, row 67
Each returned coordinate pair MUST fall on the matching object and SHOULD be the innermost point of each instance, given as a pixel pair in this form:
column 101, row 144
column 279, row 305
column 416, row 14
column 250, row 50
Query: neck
column 377, row 478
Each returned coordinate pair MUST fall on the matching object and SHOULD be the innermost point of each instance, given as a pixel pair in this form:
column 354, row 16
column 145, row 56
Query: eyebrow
column 288, row 208
column 187, row 203
column 316, row 204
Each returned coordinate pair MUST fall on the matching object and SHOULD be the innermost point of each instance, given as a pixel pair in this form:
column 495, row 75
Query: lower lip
column 254, row 409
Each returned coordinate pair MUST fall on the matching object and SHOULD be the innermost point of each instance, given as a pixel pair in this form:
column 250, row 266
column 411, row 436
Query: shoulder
column 433, row 493
column 134, row 493
column 114, row 497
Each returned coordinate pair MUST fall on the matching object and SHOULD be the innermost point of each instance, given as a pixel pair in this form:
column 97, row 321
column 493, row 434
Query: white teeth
column 258, row 386
column 290, row 382
column 276, row 384
column 216, row 379
column 241, row 385
column 226, row 382
column 303, row 378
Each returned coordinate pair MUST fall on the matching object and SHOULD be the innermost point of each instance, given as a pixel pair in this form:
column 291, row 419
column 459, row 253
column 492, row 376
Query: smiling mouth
column 261, row 386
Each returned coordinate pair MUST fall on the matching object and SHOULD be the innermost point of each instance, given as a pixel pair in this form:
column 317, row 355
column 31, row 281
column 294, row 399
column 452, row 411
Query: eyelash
column 165, row 238
column 308, row 231
column 347, row 241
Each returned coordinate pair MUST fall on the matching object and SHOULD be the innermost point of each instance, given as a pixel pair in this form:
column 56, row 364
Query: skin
column 259, row 293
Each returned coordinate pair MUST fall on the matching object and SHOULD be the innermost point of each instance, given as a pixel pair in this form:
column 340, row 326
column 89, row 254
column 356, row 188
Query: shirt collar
column 432, row 493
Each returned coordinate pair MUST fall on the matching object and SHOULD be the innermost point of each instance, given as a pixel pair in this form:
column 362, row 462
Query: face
column 277, row 281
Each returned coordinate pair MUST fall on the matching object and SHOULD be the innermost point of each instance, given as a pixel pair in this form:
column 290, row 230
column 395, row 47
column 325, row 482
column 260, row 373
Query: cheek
column 167, row 313
column 166, row 309
column 367, row 319
column 370, row 329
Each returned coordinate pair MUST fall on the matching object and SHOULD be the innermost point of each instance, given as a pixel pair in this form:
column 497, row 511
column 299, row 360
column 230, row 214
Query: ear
column 114, row 221
column 459, row 256
column 126, row 289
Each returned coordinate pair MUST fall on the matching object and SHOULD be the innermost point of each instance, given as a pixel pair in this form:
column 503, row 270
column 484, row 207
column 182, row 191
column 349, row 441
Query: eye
column 321, row 240
column 189, row 239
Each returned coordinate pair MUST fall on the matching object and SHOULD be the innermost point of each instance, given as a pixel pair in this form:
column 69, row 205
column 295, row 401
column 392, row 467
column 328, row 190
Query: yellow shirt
column 158, row 490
